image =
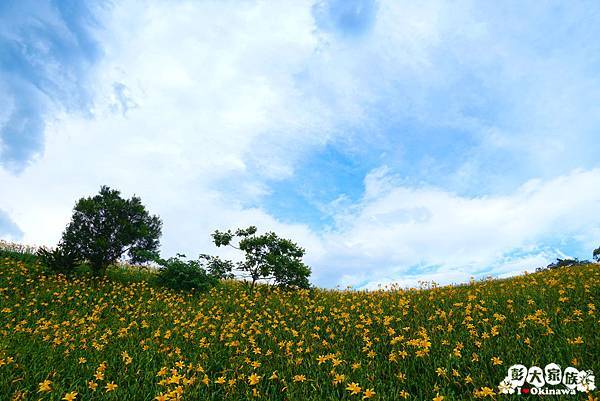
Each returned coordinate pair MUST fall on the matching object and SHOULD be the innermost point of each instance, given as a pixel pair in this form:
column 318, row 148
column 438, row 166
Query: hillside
column 120, row 338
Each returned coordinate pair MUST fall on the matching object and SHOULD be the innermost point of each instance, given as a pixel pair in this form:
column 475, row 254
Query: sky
column 396, row 142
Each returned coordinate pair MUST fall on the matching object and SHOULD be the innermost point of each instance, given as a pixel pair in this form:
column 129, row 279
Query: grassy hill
column 121, row 338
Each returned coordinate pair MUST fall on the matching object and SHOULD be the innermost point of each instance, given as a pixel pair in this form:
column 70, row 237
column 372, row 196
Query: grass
column 60, row 336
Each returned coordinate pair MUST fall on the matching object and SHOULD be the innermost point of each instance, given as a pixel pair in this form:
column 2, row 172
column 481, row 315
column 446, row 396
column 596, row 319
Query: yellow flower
column 274, row 376
column 99, row 376
column 438, row 397
column 161, row 397
column 353, row 388
column 484, row 392
column 339, row 378
column 496, row 361
column 82, row 360
column 299, row 378
column 110, row 387
column 368, row 393
column 174, row 379
column 70, row 396
column 45, row 386
column 92, row 385
column 253, row 379
column 220, row 380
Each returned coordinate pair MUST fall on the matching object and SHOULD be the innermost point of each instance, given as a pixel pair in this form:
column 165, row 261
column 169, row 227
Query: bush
column 218, row 268
column 179, row 274
column 58, row 260
column 105, row 227
column 564, row 263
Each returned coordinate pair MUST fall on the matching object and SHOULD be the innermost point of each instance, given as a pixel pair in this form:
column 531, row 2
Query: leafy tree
column 597, row 254
column 105, row 227
column 267, row 257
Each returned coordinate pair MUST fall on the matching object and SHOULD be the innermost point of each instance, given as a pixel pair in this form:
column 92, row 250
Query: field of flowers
column 120, row 338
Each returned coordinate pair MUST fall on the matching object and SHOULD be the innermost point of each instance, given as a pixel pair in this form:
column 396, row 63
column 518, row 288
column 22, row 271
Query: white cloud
column 403, row 234
column 186, row 97
column 192, row 96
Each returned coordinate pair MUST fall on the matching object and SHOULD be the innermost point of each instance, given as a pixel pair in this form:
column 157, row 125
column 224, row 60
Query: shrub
column 58, row 260
column 564, row 263
column 179, row 274
column 218, row 268
column 267, row 257
column 597, row 254
column 105, row 227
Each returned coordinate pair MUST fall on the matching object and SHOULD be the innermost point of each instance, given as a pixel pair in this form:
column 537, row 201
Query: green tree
column 106, row 227
column 597, row 254
column 267, row 257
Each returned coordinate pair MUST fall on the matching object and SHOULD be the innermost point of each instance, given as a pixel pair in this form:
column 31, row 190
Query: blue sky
column 396, row 142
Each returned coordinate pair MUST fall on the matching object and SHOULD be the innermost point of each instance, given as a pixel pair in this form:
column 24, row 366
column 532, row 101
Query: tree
column 597, row 254
column 105, row 227
column 267, row 257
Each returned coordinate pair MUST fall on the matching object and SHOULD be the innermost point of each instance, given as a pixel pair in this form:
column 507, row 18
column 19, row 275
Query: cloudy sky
column 396, row 142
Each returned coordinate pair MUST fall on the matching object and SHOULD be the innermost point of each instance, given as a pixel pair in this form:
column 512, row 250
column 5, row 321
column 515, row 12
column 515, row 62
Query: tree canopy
column 106, row 227
column 267, row 257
